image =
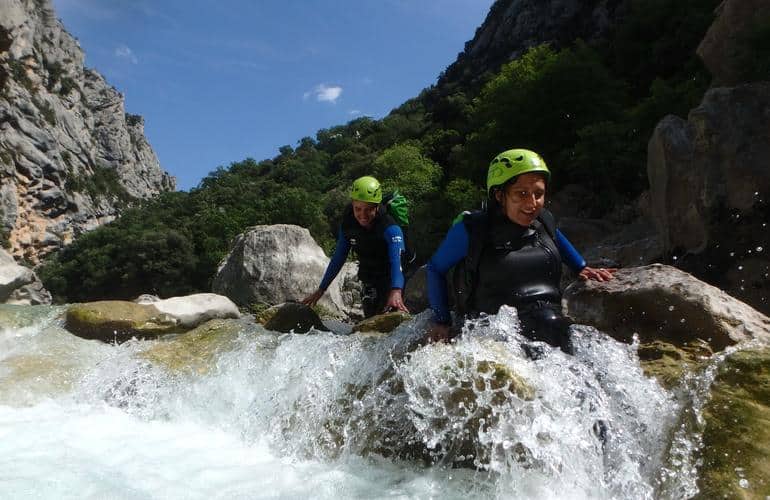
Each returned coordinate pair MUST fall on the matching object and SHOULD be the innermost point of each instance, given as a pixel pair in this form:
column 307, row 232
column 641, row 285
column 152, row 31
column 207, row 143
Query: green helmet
column 513, row 162
column 366, row 189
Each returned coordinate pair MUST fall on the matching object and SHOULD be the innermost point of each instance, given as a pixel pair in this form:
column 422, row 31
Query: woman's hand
column 600, row 274
column 396, row 301
column 311, row 299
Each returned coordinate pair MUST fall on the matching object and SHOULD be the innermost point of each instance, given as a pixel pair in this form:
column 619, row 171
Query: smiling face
column 522, row 201
column 364, row 213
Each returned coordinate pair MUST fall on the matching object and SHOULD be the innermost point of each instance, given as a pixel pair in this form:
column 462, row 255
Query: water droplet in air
column 743, row 483
column 671, row 308
column 740, row 268
column 759, row 249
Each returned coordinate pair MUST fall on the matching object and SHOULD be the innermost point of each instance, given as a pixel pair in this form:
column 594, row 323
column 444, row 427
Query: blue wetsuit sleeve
column 451, row 251
column 571, row 256
column 394, row 237
column 337, row 261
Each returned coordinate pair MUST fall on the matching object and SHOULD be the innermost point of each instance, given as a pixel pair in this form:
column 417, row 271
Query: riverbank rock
column 276, row 264
column 736, row 440
column 196, row 350
column 291, row 317
column 118, row 321
column 660, row 302
column 20, row 285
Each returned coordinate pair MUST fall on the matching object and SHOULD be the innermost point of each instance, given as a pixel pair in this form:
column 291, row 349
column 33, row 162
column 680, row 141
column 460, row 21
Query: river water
column 336, row 416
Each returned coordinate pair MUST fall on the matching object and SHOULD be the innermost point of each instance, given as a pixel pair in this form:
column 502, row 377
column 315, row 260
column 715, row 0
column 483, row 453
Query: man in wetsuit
column 377, row 241
column 509, row 254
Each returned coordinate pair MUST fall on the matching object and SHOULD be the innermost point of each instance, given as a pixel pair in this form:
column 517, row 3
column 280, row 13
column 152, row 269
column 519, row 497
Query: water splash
column 393, row 417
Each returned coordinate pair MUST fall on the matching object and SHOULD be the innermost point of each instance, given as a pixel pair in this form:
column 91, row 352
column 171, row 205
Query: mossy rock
column 383, row 323
column 667, row 362
column 118, row 321
column 736, row 440
column 196, row 350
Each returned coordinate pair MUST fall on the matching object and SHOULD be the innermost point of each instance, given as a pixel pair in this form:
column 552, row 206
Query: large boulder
column 660, row 302
column 276, row 264
column 724, row 48
column 20, row 285
column 710, row 189
column 118, row 321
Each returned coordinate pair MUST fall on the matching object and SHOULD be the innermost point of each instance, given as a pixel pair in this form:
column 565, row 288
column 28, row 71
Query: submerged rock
column 382, row 323
column 197, row 349
column 736, row 440
column 667, row 362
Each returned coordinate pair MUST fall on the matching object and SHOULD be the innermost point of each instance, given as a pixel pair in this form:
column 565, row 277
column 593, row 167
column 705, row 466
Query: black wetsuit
column 499, row 262
column 378, row 250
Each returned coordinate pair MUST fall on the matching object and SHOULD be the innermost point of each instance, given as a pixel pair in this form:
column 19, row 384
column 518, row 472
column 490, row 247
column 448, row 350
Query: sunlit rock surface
column 192, row 310
column 276, row 264
column 118, row 321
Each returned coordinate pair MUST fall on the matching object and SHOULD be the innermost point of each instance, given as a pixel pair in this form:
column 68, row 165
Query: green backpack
column 397, row 206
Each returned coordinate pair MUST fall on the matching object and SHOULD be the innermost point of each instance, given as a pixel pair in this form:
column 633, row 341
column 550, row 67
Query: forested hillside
column 588, row 108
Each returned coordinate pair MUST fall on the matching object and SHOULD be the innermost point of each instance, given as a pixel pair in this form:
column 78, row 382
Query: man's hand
column 396, row 301
column 601, row 274
column 311, row 299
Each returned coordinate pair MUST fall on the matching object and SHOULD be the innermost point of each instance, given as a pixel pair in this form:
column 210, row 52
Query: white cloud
column 124, row 52
column 354, row 112
column 325, row 93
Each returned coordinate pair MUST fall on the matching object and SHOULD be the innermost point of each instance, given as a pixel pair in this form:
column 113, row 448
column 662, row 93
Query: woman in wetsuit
column 377, row 241
column 509, row 254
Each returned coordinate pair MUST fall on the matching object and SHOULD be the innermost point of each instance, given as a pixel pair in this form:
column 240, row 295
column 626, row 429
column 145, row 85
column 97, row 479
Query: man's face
column 364, row 213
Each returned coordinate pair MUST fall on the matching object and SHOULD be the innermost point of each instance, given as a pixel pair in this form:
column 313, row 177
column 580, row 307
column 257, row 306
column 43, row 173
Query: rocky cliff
column 70, row 155
column 513, row 26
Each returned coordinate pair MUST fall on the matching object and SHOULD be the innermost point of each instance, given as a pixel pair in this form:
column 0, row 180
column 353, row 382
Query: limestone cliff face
column 70, row 156
column 513, row 26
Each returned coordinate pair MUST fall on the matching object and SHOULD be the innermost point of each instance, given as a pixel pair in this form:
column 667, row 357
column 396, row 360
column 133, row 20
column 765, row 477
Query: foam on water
column 331, row 416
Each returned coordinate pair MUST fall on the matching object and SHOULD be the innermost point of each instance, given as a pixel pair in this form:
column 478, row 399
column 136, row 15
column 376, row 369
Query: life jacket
column 369, row 245
column 507, row 264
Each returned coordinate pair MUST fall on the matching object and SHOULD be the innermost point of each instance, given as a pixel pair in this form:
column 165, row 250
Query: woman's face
column 523, row 200
column 364, row 213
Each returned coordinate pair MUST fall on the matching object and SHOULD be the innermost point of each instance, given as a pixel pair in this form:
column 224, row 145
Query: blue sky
column 218, row 81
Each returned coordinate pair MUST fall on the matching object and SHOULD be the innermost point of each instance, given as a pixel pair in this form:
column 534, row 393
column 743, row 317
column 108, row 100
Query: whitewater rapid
column 332, row 416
